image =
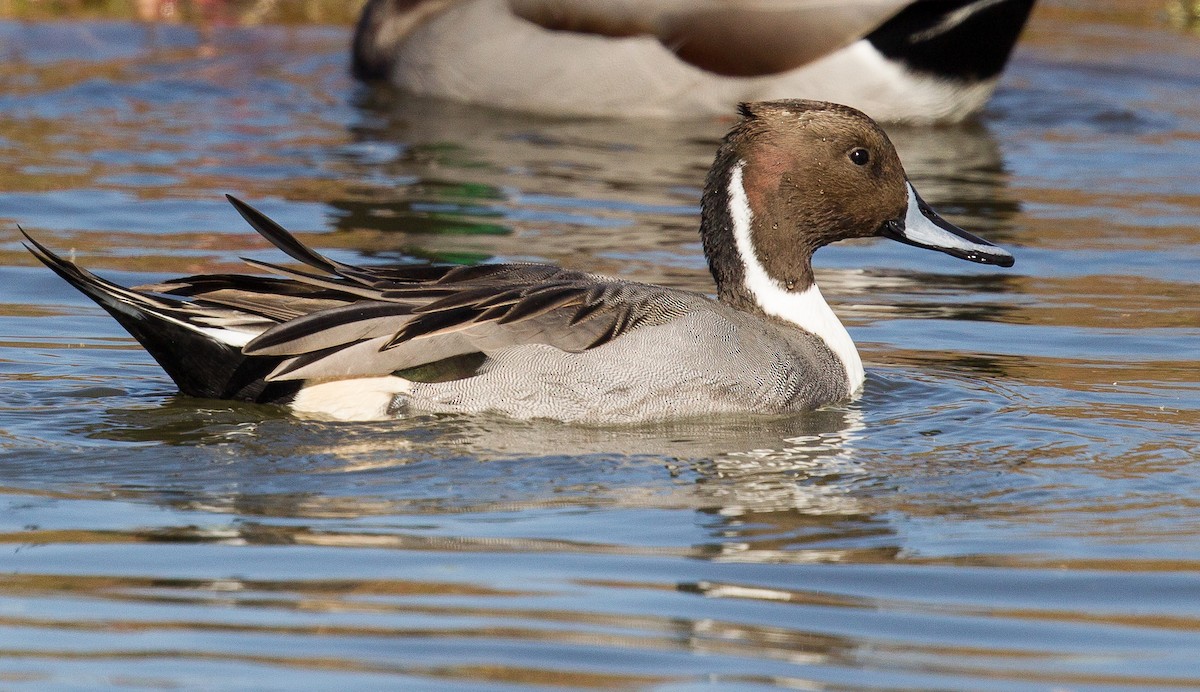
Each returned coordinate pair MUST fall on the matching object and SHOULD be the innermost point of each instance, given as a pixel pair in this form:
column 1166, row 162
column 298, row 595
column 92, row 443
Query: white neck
column 806, row 309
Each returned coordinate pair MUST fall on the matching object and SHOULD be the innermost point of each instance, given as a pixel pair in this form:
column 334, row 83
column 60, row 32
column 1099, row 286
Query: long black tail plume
column 200, row 364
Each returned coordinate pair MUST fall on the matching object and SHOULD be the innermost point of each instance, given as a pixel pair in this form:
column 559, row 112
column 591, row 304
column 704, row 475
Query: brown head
column 794, row 176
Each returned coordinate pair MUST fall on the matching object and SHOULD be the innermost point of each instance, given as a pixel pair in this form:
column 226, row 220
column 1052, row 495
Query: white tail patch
column 233, row 337
column 806, row 309
column 139, row 307
column 360, row 399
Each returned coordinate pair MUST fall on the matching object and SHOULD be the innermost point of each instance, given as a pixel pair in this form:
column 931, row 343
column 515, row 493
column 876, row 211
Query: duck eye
column 859, row 156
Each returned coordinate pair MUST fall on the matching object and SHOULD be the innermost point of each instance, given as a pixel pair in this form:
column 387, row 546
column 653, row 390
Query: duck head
column 793, row 176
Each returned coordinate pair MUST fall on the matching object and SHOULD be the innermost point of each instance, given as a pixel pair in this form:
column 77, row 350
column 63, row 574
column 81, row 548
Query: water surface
column 1011, row 504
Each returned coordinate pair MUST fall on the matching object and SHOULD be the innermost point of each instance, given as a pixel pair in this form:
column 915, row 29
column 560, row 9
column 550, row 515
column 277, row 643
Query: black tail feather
column 281, row 238
column 199, row 364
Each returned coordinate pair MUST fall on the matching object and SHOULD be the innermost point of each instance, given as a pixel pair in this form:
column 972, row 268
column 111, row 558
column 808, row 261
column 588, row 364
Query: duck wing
column 332, row 320
column 743, row 38
column 508, row 306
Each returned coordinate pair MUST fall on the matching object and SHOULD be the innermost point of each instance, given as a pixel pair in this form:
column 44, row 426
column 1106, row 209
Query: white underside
column 479, row 52
column 360, row 399
column 806, row 309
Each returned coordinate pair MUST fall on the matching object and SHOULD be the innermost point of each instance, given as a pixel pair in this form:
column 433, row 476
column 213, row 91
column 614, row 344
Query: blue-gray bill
column 922, row 227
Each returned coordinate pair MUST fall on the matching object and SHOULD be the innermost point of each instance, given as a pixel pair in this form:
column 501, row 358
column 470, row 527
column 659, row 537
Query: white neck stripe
column 806, row 309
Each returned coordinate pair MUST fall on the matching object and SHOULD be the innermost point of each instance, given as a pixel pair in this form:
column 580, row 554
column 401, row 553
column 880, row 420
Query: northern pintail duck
column 539, row 341
column 900, row 60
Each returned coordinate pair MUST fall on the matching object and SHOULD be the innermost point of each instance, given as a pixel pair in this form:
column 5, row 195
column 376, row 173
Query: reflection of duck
column 458, row 183
column 456, row 180
column 924, row 60
column 536, row 341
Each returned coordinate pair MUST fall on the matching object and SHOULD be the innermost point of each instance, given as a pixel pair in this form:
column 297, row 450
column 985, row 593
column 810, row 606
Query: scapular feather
column 336, row 284
column 586, row 310
column 430, row 323
column 460, row 298
column 540, row 302
column 330, row 328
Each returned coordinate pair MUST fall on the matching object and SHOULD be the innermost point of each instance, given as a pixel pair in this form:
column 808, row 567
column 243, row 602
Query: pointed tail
column 203, row 361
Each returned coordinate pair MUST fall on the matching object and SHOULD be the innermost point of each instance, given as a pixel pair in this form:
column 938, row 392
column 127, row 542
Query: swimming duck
column 540, row 341
column 900, row 60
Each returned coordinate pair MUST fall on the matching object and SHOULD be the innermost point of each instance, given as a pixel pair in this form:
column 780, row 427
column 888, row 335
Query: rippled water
column 1012, row 504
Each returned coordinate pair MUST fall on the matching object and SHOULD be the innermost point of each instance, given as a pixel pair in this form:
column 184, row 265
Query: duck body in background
column 901, row 61
column 540, row 341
